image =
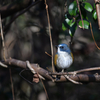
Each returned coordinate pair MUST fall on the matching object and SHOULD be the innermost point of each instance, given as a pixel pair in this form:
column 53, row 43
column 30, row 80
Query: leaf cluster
column 77, row 16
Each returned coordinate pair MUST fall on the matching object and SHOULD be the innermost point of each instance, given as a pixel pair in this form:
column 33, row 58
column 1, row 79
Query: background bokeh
column 27, row 38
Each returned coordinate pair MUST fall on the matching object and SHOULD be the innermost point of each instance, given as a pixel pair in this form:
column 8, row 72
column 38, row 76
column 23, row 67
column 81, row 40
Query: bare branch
column 80, row 13
column 33, row 71
column 14, row 7
column 93, row 37
column 84, row 70
column 46, row 74
column 97, row 2
column 20, row 13
column 3, row 65
column 50, row 35
column 12, row 84
column 75, row 82
column 3, row 44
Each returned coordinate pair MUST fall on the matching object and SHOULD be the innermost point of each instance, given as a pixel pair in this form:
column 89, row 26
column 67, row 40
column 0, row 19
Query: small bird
column 64, row 57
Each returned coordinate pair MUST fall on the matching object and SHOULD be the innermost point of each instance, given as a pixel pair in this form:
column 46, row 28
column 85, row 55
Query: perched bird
column 64, row 57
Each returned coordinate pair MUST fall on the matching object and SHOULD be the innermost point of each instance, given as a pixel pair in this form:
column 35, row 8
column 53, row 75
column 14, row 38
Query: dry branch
column 14, row 7
column 80, row 13
column 50, row 36
column 2, row 37
column 97, row 2
column 48, row 75
column 17, row 14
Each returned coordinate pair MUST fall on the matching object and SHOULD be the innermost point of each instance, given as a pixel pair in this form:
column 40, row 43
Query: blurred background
column 27, row 38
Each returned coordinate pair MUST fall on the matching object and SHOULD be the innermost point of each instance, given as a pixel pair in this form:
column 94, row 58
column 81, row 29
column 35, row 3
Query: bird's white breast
column 64, row 60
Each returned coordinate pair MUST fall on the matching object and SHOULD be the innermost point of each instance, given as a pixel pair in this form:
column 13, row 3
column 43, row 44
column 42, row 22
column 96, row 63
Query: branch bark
column 20, row 13
column 97, row 2
column 49, row 75
column 14, row 7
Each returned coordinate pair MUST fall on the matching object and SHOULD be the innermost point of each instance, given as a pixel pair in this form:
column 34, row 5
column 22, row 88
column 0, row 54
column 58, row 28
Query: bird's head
column 63, row 48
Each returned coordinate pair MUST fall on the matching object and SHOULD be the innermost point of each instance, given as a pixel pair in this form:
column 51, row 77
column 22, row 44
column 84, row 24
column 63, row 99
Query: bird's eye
column 61, row 47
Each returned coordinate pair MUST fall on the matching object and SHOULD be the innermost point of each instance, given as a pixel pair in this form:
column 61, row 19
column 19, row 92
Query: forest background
column 27, row 38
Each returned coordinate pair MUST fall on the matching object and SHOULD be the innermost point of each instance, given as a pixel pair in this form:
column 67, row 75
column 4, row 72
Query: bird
column 63, row 58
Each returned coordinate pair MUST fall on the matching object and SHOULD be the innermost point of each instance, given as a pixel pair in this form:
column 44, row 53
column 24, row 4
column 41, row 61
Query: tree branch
column 49, row 75
column 14, row 7
column 2, row 37
column 50, row 36
column 20, row 13
column 97, row 2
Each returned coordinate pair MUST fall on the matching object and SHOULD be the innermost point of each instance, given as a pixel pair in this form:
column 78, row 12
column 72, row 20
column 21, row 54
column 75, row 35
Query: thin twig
column 48, row 69
column 3, row 65
column 45, row 89
column 48, row 54
column 75, row 82
column 97, row 3
column 75, row 72
column 33, row 71
column 80, row 13
column 50, row 35
column 84, row 70
column 93, row 37
column 23, row 77
column 3, row 44
column 12, row 84
column 20, row 13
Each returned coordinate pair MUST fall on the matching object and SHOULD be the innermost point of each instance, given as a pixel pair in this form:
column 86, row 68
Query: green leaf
column 66, row 24
column 72, row 9
column 94, row 14
column 63, row 27
column 84, row 0
column 86, row 24
column 94, row 6
column 68, row 21
column 73, row 29
column 88, row 6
